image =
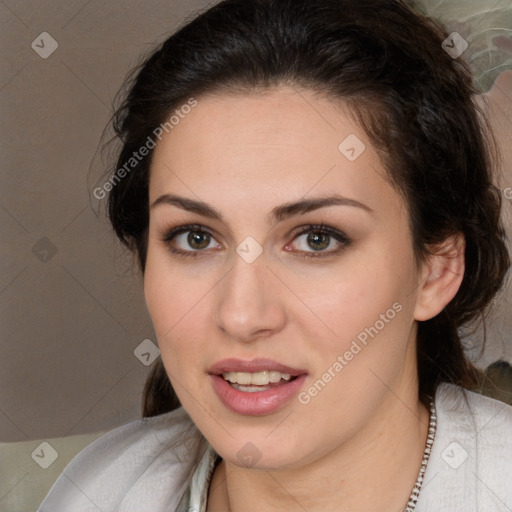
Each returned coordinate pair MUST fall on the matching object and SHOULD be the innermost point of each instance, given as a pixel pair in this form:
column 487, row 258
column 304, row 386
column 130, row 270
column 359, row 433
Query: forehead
column 273, row 145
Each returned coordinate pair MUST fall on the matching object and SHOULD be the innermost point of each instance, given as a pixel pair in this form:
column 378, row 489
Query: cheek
column 178, row 305
column 353, row 295
column 171, row 294
column 362, row 323
column 158, row 287
column 166, row 298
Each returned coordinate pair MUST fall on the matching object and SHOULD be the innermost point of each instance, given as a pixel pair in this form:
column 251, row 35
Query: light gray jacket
column 163, row 464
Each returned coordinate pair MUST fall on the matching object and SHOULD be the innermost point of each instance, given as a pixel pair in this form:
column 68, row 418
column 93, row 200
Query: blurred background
column 76, row 340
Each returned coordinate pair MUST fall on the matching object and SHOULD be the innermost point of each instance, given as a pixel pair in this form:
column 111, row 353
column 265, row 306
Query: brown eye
column 190, row 240
column 198, row 239
column 318, row 241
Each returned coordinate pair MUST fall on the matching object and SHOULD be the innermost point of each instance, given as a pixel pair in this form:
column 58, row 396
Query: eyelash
column 339, row 236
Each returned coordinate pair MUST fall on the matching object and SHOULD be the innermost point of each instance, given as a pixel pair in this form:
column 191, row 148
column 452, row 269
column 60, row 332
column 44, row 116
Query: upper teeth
column 256, row 378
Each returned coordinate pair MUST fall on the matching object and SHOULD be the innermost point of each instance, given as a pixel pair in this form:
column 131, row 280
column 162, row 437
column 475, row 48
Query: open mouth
column 257, row 381
column 256, row 387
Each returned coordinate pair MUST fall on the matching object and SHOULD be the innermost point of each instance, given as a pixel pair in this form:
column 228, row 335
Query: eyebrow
column 279, row 213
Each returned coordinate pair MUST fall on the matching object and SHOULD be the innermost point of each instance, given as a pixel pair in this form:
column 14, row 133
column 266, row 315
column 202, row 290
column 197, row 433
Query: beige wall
column 71, row 312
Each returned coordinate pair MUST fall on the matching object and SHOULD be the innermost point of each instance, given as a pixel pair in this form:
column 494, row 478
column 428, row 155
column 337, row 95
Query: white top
column 164, row 464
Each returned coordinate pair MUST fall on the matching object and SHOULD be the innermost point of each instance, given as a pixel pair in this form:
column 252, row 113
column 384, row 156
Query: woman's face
column 298, row 268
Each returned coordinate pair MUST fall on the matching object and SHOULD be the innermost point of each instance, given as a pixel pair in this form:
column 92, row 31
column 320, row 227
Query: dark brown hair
column 414, row 101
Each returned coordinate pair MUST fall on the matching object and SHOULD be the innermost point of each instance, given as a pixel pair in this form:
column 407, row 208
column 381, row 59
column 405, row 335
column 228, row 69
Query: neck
column 374, row 471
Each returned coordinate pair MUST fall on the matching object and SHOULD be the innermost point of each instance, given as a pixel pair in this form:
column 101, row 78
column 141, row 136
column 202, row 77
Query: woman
column 307, row 187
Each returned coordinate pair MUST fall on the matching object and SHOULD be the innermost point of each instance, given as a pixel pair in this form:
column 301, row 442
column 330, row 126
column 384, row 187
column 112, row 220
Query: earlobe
column 441, row 277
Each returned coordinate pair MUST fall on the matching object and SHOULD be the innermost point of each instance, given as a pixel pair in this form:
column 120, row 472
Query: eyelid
column 322, row 228
column 171, row 233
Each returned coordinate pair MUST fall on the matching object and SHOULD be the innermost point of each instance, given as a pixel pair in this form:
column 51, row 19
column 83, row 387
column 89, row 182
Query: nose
column 249, row 305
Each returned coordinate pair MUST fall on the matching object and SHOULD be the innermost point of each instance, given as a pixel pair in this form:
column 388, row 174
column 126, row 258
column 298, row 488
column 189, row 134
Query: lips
column 253, row 366
column 254, row 400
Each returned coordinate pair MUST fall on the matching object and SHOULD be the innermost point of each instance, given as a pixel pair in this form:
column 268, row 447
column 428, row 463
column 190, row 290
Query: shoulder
column 470, row 465
column 484, row 419
column 142, row 466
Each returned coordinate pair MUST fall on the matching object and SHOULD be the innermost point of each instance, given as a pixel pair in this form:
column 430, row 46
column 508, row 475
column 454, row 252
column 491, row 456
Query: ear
column 440, row 277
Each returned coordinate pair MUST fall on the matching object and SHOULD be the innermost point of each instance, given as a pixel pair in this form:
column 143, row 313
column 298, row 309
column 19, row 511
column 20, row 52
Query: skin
column 245, row 154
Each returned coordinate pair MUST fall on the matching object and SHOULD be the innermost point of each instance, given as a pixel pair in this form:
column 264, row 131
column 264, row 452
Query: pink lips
column 258, row 403
column 256, row 365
